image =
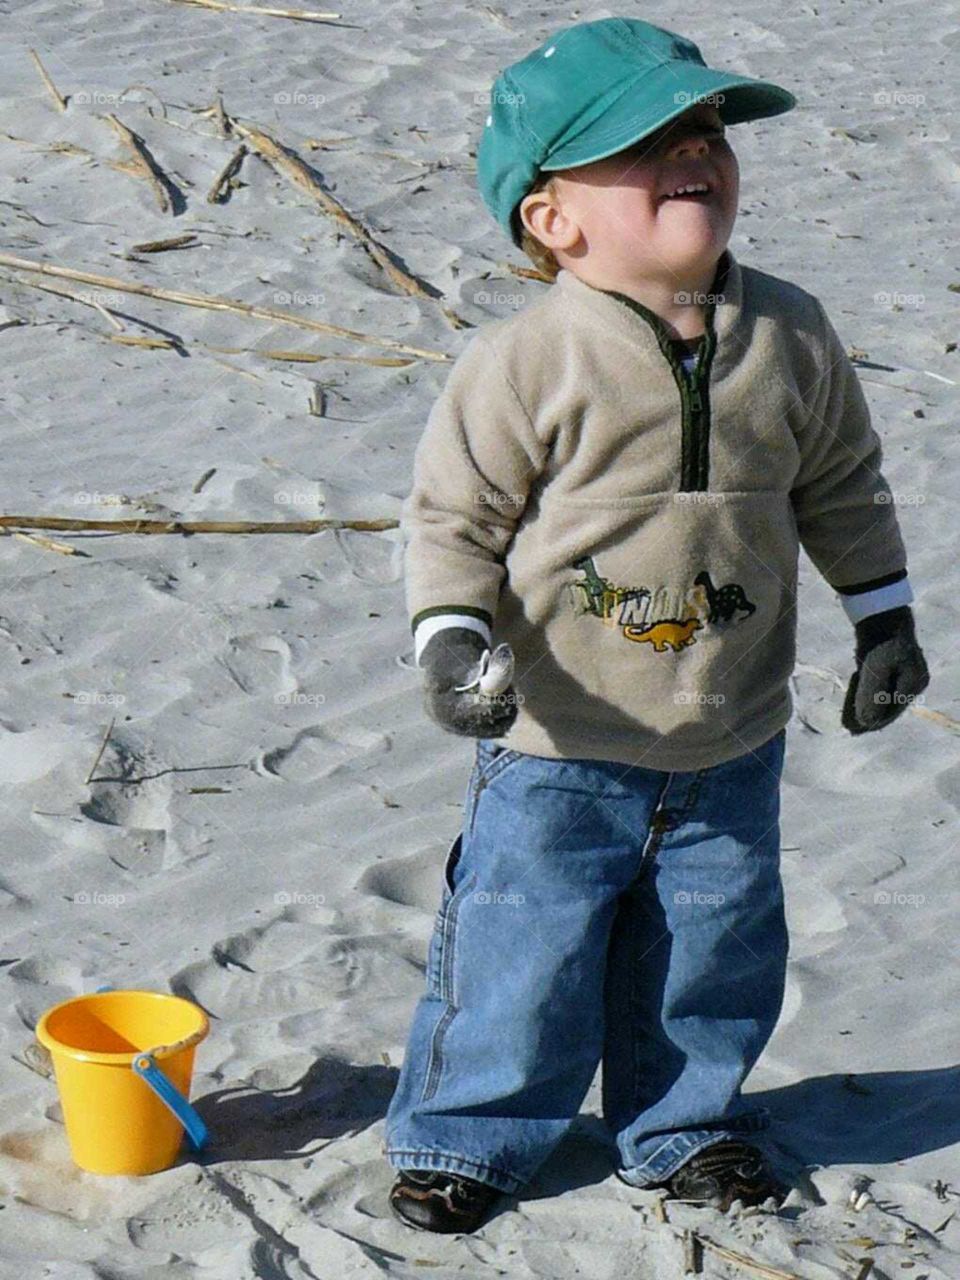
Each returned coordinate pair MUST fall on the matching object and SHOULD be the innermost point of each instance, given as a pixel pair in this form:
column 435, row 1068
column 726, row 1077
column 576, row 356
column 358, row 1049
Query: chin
column 695, row 257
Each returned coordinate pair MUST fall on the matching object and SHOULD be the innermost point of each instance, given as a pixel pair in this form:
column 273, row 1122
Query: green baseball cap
column 589, row 91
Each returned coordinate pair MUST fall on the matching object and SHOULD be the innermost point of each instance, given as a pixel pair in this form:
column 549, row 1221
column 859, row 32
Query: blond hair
column 541, row 257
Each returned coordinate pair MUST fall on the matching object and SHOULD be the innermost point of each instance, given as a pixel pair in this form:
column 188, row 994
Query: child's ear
column 541, row 216
column 528, row 205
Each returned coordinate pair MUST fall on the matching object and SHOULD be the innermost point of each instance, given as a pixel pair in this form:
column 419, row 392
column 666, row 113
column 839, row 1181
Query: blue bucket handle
column 146, row 1068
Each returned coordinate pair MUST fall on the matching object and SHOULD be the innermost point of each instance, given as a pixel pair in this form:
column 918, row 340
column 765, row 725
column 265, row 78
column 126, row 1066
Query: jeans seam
column 459, row 1161
column 445, row 987
column 757, row 1120
column 647, row 855
column 721, row 1135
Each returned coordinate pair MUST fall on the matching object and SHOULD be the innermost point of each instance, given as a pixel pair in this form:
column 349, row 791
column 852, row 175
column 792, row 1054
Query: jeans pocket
column 448, row 887
column 449, row 869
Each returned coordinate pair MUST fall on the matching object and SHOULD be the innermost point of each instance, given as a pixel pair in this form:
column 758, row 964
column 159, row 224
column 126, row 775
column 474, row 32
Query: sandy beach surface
column 264, row 830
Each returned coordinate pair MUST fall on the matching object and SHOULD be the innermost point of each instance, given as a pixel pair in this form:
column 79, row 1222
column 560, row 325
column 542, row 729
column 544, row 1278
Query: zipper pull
column 696, row 400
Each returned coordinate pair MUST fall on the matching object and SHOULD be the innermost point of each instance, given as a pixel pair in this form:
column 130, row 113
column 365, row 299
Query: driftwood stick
column 220, row 190
column 298, row 15
column 289, row 165
column 54, row 92
column 195, row 526
column 212, row 303
column 145, row 164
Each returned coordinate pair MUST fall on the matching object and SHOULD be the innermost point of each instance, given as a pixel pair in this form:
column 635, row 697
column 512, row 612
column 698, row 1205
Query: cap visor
column 673, row 89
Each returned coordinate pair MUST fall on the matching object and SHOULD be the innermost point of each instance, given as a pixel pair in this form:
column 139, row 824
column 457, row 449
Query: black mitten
column 891, row 670
column 451, row 657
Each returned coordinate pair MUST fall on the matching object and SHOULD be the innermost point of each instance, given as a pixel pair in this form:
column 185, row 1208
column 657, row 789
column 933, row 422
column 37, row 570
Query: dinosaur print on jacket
column 665, row 618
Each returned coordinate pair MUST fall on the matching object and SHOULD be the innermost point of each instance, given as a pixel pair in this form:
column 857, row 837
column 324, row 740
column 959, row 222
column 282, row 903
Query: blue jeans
column 596, row 911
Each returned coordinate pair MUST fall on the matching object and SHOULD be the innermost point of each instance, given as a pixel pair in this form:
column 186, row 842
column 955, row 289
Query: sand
column 293, row 895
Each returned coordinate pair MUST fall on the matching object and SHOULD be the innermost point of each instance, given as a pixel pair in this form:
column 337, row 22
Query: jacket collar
column 646, row 329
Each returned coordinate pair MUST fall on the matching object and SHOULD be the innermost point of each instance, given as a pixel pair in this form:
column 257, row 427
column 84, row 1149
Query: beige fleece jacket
column 633, row 531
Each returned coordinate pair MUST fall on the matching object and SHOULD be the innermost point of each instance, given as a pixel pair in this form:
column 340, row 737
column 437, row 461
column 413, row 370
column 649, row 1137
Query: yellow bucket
column 123, row 1111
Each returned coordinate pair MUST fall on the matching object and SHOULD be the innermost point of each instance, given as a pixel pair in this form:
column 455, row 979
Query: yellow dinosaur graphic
column 670, row 631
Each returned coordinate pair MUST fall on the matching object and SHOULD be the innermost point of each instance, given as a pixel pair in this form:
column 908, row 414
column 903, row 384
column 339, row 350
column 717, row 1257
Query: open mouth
column 688, row 191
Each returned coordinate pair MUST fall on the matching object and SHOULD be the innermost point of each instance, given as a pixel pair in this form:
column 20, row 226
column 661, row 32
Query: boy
column 617, row 480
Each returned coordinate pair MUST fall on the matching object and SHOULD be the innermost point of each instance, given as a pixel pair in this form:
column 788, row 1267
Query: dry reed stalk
column 160, row 246
column 742, row 1260
column 76, row 297
column 137, row 525
column 525, row 273
column 287, row 163
column 48, row 544
column 106, row 739
column 62, row 148
column 222, row 183
column 298, row 15
column 295, row 357
column 137, row 340
column 212, row 303
column 309, row 357
column 244, row 373
column 221, row 117
column 144, row 163
column 937, row 717
column 692, row 1254
column 55, row 93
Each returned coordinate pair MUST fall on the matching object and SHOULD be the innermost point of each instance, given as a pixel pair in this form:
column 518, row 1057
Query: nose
column 692, row 143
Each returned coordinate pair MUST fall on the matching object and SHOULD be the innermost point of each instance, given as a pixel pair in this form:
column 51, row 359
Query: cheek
column 634, row 206
column 731, row 172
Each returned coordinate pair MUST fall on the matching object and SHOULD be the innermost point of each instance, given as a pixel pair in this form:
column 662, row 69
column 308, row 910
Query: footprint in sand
column 285, row 966
column 46, row 972
column 130, row 796
column 318, row 752
column 411, row 881
column 259, row 664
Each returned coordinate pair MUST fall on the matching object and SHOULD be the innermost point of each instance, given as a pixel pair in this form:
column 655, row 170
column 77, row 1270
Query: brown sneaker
column 727, row 1171
column 436, row 1200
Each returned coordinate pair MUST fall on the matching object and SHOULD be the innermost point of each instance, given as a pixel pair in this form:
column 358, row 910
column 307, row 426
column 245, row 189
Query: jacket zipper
column 694, row 391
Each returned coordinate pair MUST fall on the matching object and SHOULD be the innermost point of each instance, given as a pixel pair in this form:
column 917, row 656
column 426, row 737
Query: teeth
column 691, row 187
